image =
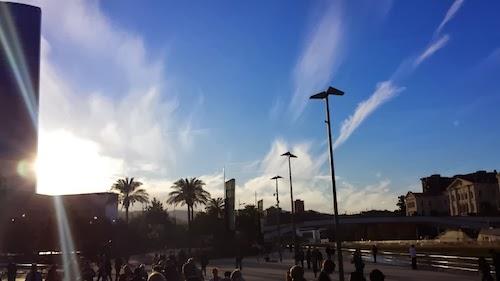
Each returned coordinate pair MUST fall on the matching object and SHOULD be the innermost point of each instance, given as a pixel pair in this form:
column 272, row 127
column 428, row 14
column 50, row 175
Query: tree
column 188, row 192
column 401, row 205
column 215, row 207
column 129, row 193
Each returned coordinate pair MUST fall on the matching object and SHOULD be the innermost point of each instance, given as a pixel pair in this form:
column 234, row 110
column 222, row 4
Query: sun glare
column 68, row 164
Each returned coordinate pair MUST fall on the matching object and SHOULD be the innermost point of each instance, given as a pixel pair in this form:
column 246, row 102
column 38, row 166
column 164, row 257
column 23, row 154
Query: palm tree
column 215, row 206
column 130, row 192
column 188, row 192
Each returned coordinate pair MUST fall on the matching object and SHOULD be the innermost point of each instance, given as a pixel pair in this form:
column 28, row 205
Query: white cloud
column 384, row 92
column 449, row 14
column 319, row 59
column 371, row 197
column 125, row 116
column 432, row 48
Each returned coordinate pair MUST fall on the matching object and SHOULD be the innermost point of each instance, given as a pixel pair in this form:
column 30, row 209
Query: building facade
column 421, row 204
column 468, row 197
column 299, row 206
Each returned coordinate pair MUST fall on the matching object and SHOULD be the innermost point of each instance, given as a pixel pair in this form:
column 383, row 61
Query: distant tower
column 299, row 206
column 19, row 84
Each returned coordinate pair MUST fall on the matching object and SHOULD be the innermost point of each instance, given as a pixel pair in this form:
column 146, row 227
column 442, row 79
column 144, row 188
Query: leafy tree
column 215, row 207
column 130, row 192
column 188, row 192
column 401, row 205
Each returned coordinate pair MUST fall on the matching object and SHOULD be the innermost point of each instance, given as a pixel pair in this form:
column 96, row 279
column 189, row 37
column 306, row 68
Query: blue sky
column 173, row 89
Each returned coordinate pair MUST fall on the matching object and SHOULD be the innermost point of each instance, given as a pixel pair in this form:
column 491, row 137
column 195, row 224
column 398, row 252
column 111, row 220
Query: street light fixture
column 294, row 228
column 278, row 214
column 324, row 96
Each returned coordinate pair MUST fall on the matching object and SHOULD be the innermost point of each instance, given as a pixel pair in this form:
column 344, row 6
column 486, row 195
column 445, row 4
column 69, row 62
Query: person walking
column 118, row 267
column 315, row 261
column 327, row 269
column 236, row 275
column 328, row 251
column 215, row 275
column 296, row 273
column 377, row 275
column 413, row 256
column 484, row 269
column 374, row 253
column 34, row 274
column 308, row 257
column 204, row 263
column 52, row 274
column 156, row 274
column 357, row 260
column 191, row 273
column 11, row 271
column 301, row 257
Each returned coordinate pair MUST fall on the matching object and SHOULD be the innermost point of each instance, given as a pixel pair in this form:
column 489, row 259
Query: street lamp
column 294, row 228
column 278, row 214
column 324, row 96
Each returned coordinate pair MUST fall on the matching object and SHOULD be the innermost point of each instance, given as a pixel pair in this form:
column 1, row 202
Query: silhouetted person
column 357, row 260
column 118, row 267
column 181, row 259
column 34, row 274
column 377, row 275
column 239, row 260
column 204, row 263
column 315, row 261
column 156, row 274
column 296, row 273
column 52, row 274
column 236, row 275
column 126, row 274
column 496, row 263
column 329, row 252
column 191, row 273
column 308, row 257
column 327, row 269
column 374, row 253
column 215, row 275
column 357, row 276
column 413, row 256
column 11, row 271
column 300, row 257
column 88, row 273
column 170, row 270
column 227, row 276
column 484, row 269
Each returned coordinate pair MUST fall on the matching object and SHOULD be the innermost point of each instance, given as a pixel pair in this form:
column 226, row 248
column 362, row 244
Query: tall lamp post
column 324, row 96
column 278, row 215
column 294, row 228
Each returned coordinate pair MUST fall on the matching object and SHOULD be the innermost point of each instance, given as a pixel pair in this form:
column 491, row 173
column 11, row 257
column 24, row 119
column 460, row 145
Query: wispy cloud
column 383, row 92
column 388, row 89
column 449, row 15
column 432, row 48
column 319, row 59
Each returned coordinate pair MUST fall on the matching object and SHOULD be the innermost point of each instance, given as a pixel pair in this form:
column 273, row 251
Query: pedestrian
column 357, row 276
column 191, row 273
column 127, row 274
column 308, row 257
column 296, row 273
column 328, row 252
column 204, row 263
column 227, row 276
column 413, row 256
column 239, row 261
column 374, row 253
column 236, row 275
column 11, row 271
column 108, row 267
column 301, row 255
column 327, row 269
column 156, row 274
column 377, row 275
column 118, row 267
column 34, row 274
column 101, row 269
column 215, row 275
column 496, row 263
column 52, row 274
column 357, row 260
column 484, row 269
column 170, row 270
column 88, row 273
column 315, row 261
column 181, row 259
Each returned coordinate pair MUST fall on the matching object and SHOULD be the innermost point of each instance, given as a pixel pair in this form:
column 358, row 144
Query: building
column 489, row 235
column 423, row 204
column 474, row 194
column 299, row 206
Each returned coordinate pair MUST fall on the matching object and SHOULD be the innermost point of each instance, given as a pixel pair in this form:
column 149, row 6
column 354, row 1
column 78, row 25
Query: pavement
column 254, row 270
